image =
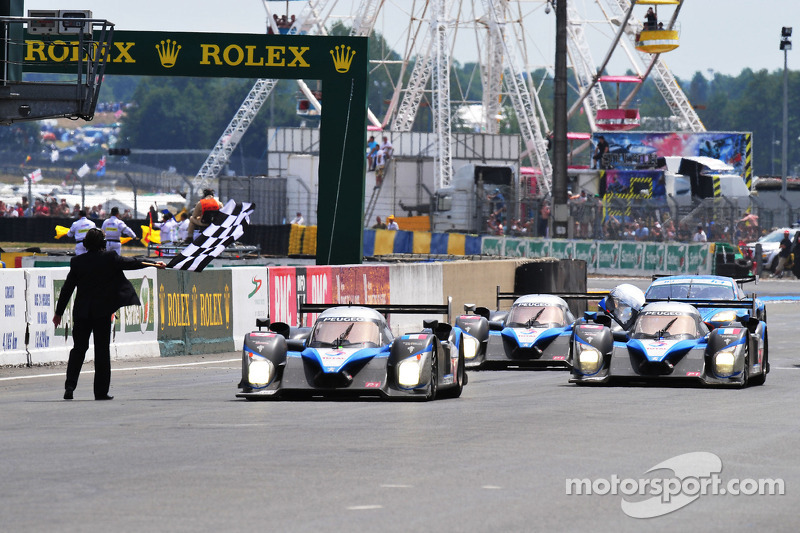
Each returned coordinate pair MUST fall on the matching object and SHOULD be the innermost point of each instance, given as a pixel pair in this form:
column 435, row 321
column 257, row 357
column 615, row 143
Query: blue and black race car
column 670, row 341
column 535, row 332
column 706, row 293
column 350, row 351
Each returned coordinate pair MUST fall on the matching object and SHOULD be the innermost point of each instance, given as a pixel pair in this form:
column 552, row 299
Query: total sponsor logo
column 527, row 337
column 657, row 349
column 334, row 358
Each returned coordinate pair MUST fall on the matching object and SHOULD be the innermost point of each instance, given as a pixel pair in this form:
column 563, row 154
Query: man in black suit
column 102, row 289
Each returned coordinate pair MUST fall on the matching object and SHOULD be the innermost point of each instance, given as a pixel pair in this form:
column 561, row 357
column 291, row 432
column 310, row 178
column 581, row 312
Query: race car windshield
column 661, row 326
column 530, row 316
column 335, row 333
column 690, row 290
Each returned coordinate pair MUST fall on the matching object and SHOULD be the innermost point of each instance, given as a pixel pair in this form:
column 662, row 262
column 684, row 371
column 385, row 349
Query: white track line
column 156, row 367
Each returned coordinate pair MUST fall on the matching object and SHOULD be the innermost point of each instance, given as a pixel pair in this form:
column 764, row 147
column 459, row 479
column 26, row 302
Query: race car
column 706, row 294
column 350, row 351
column 669, row 341
column 535, row 332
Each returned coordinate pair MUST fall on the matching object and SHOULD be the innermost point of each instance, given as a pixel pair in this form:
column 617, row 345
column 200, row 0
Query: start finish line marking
column 133, row 368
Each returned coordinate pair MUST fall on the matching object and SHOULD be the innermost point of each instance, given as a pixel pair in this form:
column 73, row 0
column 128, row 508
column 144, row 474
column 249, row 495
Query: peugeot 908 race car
column 706, row 294
column 670, row 341
column 351, row 351
column 536, row 331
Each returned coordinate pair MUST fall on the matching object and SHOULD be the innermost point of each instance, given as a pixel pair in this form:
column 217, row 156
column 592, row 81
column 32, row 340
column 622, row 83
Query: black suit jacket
column 102, row 286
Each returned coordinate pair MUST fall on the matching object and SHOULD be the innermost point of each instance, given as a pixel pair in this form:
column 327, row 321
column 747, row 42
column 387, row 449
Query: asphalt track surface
column 176, row 451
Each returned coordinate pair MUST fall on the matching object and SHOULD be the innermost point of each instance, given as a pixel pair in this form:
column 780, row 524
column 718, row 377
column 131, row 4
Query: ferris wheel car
column 668, row 341
column 535, row 332
column 350, row 351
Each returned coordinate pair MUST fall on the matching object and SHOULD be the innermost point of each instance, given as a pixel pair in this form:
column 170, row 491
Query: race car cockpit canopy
column 668, row 320
column 344, row 326
column 623, row 303
column 539, row 310
column 696, row 288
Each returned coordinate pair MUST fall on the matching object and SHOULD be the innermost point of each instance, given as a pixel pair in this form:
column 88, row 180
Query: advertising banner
column 653, row 257
column 561, row 249
column 515, row 247
column 282, row 295
column 134, row 333
column 630, row 255
column 539, row 248
column 627, row 148
column 493, row 246
column 586, row 251
column 608, row 255
column 698, row 258
column 250, row 300
column 12, row 327
column 675, row 259
column 47, row 343
column 195, row 311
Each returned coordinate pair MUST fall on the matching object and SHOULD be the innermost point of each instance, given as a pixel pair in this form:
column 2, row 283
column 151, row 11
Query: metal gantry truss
column 521, row 98
column 440, row 72
column 311, row 21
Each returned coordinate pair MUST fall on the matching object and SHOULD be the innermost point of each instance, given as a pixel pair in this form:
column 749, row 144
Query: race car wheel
column 746, row 371
column 459, row 378
column 762, row 377
column 434, row 385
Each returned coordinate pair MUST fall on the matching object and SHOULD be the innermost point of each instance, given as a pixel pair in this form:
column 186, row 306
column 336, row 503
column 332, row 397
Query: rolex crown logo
column 168, row 53
column 342, row 57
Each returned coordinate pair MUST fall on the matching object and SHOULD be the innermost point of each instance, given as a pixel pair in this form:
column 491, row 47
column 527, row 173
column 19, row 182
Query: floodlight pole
column 560, row 208
column 786, row 45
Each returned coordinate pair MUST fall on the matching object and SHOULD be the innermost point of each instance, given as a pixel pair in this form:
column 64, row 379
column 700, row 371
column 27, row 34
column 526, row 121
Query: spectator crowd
column 49, row 206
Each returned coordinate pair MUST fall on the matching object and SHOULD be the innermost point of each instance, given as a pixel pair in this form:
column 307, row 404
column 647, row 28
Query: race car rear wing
column 739, row 281
column 746, row 303
column 590, row 295
column 387, row 309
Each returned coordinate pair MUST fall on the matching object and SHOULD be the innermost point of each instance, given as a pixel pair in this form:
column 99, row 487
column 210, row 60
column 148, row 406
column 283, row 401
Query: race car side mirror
column 295, row 345
column 603, row 320
column 620, row 336
column 750, row 322
column 469, row 308
column 590, row 316
column 262, row 323
column 494, row 325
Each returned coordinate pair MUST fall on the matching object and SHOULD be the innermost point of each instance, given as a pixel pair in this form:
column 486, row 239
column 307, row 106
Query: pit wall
column 611, row 257
column 210, row 312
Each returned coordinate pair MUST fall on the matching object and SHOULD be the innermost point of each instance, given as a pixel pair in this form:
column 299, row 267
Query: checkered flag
column 227, row 227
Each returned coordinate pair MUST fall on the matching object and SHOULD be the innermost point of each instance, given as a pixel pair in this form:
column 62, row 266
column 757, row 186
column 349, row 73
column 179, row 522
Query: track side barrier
column 610, row 257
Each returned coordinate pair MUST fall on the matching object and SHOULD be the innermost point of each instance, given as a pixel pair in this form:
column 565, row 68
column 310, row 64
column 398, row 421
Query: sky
column 726, row 36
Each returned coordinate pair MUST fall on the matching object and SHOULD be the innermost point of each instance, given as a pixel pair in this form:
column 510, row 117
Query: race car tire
column 762, row 377
column 434, row 385
column 746, row 370
column 460, row 379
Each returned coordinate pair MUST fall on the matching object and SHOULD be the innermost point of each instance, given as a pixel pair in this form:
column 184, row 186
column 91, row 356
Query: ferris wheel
column 503, row 39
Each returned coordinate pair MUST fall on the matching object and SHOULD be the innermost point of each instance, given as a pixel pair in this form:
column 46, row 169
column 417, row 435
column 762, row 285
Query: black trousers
column 100, row 328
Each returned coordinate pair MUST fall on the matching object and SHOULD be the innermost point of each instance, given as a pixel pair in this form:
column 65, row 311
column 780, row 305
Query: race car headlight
column 589, row 360
column 724, row 316
column 471, row 346
column 260, row 371
column 723, row 363
column 408, row 371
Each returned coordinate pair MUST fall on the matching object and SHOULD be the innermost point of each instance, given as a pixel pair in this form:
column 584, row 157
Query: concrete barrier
column 210, row 312
column 13, row 325
column 250, row 300
column 475, row 282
